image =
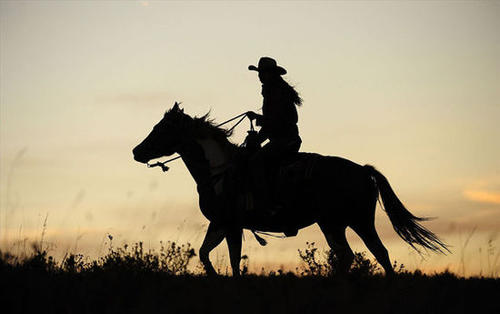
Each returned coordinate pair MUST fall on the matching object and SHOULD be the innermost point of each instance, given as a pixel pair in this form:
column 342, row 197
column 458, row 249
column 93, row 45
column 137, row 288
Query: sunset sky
column 412, row 88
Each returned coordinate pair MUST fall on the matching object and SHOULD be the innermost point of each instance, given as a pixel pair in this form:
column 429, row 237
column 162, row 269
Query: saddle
column 293, row 176
column 284, row 182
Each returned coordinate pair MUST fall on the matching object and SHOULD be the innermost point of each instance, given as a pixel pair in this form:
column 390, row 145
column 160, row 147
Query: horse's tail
column 405, row 224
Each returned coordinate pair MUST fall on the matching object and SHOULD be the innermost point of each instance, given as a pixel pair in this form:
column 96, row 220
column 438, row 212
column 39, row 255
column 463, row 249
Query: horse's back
column 315, row 176
column 337, row 182
column 311, row 187
column 331, row 167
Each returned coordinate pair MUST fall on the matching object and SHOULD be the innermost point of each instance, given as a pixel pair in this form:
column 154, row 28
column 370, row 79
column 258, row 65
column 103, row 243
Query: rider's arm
column 259, row 119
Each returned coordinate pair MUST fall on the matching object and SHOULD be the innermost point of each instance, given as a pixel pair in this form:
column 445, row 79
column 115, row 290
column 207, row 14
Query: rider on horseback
column 278, row 124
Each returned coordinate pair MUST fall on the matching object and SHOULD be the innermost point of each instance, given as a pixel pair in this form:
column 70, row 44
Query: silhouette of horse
column 333, row 192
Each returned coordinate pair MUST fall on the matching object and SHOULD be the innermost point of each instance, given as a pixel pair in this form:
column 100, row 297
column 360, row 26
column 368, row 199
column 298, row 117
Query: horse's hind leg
column 213, row 238
column 335, row 237
column 369, row 235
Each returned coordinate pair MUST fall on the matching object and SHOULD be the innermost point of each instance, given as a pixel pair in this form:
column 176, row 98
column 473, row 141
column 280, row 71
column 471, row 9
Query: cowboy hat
column 267, row 64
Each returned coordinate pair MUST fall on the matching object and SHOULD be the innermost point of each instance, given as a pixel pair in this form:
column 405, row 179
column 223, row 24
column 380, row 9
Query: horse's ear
column 175, row 107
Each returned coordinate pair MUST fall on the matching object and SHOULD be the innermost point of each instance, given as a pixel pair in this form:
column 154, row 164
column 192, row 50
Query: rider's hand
column 252, row 115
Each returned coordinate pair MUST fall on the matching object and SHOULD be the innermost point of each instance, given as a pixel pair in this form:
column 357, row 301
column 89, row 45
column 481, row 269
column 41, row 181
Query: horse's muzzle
column 141, row 160
column 139, row 157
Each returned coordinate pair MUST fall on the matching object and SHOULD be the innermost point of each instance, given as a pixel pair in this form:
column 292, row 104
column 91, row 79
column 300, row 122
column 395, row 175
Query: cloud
column 482, row 196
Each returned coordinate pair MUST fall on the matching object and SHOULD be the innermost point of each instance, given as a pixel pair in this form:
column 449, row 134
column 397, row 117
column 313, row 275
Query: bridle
column 165, row 168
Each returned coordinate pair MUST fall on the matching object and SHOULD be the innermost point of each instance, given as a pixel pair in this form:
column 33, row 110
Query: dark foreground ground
column 120, row 292
column 131, row 280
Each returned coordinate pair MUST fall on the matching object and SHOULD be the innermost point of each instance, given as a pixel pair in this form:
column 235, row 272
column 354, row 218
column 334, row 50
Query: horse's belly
column 279, row 220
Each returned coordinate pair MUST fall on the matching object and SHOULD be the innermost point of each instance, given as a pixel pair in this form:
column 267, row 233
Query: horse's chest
column 211, row 205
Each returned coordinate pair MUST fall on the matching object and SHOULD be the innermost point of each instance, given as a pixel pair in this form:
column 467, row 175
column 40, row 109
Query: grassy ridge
column 129, row 280
column 123, row 292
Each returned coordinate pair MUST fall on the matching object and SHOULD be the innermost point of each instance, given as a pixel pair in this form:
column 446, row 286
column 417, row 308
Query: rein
column 164, row 167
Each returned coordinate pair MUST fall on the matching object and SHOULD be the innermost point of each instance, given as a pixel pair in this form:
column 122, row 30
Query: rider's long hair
column 290, row 93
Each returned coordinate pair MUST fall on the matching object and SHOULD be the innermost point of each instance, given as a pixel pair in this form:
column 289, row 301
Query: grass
column 129, row 279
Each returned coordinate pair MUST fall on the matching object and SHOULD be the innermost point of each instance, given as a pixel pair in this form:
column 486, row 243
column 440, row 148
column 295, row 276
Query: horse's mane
column 201, row 127
column 205, row 124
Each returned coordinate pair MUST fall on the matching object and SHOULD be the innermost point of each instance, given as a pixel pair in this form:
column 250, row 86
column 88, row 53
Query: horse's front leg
column 214, row 237
column 233, row 238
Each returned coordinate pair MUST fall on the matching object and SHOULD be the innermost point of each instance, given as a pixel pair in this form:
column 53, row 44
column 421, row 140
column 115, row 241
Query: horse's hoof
column 390, row 275
column 211, row 274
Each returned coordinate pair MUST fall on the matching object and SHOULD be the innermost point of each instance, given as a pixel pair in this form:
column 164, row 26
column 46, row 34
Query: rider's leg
column 264, row 167
column 258, row 170
column 282, row 152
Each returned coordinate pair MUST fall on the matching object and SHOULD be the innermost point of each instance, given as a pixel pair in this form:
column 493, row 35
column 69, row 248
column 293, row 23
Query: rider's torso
column 279, row 113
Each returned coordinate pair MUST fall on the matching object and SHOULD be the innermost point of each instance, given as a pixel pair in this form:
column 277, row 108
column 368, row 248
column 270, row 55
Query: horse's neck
column 205, row 158
column 215, row 153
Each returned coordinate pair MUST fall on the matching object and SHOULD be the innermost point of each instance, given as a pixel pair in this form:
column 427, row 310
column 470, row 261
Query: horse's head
column 166, row 137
